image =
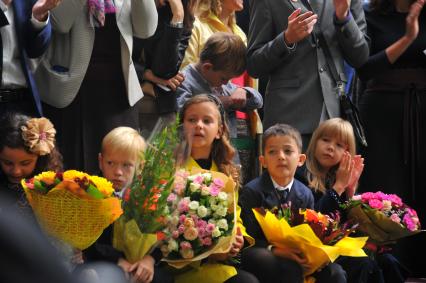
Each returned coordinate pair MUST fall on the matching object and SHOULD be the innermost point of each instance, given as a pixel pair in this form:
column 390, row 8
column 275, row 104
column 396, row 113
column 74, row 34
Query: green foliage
column 146, row 201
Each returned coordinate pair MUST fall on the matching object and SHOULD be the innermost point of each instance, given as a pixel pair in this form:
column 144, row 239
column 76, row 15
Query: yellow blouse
column 202, row 30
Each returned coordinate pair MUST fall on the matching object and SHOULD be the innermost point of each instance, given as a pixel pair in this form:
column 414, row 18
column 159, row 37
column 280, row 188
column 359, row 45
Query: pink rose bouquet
column 202, row 217
column 383, row 217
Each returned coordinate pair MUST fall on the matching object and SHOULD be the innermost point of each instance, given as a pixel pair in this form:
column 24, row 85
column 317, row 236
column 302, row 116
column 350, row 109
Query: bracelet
column 269, row 248
column 176, row 24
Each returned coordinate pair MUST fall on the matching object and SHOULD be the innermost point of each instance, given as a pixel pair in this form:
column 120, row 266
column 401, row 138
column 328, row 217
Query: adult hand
column 237, row 244
column 42, row 7
column 143, row 270
column 299, row 26
column 343, row 173
column 412, row 20
column 174, row 82
column 342, row 8
column 356, row 173
column 239, row 98
column 177, row 10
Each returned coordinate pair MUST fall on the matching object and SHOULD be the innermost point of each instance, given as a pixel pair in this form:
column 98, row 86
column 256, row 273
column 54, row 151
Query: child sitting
column 282, row 154
column 119, row 159
column 221, row 59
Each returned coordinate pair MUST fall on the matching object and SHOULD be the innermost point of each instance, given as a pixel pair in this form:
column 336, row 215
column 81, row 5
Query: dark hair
column 226, row 52
column 11, row 136
column 383, row 6
column 222, row 150
column 282, row 130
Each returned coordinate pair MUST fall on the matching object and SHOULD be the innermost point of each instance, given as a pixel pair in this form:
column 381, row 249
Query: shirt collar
column 281, row 188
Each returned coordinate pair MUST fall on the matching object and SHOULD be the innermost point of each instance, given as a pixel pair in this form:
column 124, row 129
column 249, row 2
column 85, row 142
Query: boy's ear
column 207, row 66
column 302, row 159
column 262, row 161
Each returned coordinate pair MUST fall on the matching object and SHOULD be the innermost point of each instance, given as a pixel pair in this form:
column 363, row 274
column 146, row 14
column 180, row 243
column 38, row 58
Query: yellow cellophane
column 280, row 234
column 378, row 227
column 72, row 219
column 224, row 243
column 129, row 239
column 206, row 273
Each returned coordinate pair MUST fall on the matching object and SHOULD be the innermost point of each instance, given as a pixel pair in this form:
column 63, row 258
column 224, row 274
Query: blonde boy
column 120, row 156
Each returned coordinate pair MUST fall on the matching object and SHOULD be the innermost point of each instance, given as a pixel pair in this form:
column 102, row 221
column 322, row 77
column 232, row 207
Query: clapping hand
column 356, row 173
column 412, row 20
column 344, row 173
column 42, row 7
column 299, row 26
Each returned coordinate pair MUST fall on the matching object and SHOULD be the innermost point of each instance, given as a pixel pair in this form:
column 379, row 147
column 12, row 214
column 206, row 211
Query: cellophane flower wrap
column 202, row 219
column 321, row 238
column 145, row 202
column 384, row 218
column 72, row 206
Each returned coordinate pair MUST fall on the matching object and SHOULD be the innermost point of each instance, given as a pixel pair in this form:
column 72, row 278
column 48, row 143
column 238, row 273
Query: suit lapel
column 119, row 6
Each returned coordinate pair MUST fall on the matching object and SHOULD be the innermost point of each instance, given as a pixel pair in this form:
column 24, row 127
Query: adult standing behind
column 393, row 107
column 25, row 33
column 284, row 45
column 87, row 78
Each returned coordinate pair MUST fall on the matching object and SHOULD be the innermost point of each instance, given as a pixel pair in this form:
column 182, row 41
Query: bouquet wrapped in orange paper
column 384, row 218
column 72, row 206
column 321, row 238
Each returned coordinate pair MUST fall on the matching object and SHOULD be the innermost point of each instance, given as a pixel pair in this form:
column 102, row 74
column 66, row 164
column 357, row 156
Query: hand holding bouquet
column 72, row 206
column 202, row 219
column 320, row 238
column 384, row 218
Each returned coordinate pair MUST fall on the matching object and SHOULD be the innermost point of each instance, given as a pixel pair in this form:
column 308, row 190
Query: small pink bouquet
column 383, row 217
column 202, row 217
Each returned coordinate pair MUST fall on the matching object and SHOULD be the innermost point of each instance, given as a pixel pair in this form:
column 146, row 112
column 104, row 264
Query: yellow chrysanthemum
column 103, row 185
column 72, row 174
column 47, row 177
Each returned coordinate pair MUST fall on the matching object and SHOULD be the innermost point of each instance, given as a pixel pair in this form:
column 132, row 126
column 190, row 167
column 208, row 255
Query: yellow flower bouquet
column 72, row 206
column 319, row 237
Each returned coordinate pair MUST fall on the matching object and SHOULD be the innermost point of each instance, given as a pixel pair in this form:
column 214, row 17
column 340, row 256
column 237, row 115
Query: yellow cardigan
column 211, row 272
column 202, row 30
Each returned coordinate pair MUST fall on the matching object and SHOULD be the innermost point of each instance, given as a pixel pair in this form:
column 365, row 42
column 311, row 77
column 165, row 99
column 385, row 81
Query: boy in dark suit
column 282, row 154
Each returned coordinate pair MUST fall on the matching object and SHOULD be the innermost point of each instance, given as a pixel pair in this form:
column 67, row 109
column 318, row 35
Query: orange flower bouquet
column 72, row 206
column 321, row 238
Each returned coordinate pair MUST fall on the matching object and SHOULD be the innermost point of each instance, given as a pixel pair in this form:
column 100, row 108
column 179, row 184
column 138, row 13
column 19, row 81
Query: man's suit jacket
column 64, row 65
column 261, row 192
column 31, row 44
column 299, row 78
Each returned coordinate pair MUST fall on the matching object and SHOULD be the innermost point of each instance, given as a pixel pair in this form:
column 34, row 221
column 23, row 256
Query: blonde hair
column 124, row 140
column 205, row 7
column 335, row 127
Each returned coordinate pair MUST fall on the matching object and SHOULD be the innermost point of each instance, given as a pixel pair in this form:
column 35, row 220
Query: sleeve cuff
column 339, row 23
column 37, row 24
column 269, row 248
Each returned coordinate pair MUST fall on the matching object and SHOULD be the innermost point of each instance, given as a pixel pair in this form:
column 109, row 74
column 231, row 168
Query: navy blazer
column 261, row 192
column 31, row 44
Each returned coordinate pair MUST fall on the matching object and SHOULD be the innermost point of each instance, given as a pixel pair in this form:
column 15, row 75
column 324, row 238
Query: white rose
column 202, row 211
column 174, row 220
column 221, row 211
column 193, row 205
column 205, row 191
column 207, row 177
column 212, row 221
column 216, row 232
column 172, row 246
column 194, row 187
column 222, row 196
column 212, row 201
column 214, row 207
column 222, row 224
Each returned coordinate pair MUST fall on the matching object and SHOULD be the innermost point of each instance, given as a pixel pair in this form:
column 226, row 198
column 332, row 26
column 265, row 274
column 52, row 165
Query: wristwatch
column 176, row 24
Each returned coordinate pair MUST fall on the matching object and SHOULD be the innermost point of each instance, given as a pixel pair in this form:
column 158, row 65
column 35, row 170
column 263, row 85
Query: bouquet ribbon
column 280, row 234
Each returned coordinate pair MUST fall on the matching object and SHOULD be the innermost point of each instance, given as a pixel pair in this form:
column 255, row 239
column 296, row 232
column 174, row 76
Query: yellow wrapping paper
column 128, row 238
column 280, row 234
column 207, row 273
column 378, row 227
column 224, row 243
column 74, row 220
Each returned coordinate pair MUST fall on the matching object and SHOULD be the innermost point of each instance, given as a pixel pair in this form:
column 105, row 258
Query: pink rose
column 214, row 190
column 175, row 234
column 210, row 228
column 171, row 198
column 218, row 182
column 207, row 241
column 395, row 218
column 185, row 245
column 376, row 204
column 198, row 180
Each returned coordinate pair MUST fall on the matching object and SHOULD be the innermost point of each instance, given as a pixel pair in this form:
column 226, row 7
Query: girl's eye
column 325, row 139
column 25, row 163
column 288, row 151
column 191, row 120
column 128, row 165
column 207, row 121
column 110, row 163
column 272, row 151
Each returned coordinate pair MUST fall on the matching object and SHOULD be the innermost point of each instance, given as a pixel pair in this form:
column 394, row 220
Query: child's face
column 329, row 151
column 201, row 126
column 17, row 163
column 281, row 158
column 215, row 78
column 117, row 168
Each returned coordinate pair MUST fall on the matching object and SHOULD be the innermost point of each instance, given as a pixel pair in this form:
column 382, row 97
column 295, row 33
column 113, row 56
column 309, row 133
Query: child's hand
column 343, row 173
column 356, row 173
column 293, row 254
column 143, row 270
column 299, row 26
column 77, row 257
column 237, row 244
column 239, row 98
column 125, row 265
